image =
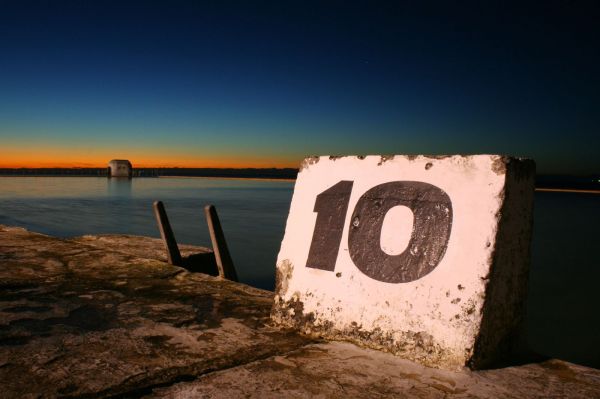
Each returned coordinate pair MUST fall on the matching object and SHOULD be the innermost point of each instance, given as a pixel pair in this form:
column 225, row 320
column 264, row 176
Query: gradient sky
column 264, row 84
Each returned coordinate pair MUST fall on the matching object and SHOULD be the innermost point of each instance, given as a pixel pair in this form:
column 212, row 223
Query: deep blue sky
column 267, row 83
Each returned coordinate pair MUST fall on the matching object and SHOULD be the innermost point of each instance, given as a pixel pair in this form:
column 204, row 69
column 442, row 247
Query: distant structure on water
column 120, row 168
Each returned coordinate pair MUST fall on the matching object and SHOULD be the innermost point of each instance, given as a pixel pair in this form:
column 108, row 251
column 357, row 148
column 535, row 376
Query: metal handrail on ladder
column 220, row 252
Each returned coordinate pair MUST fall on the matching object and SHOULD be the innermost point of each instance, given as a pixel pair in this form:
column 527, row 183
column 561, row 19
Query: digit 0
column 432, row 210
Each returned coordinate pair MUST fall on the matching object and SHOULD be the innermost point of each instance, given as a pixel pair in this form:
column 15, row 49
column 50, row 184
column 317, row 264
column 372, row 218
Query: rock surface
column 143, row 247
column 105, row 317
column 77, row 320
column 331, row 370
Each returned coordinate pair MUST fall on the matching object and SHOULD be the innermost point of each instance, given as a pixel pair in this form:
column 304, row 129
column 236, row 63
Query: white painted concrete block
column 425, row 257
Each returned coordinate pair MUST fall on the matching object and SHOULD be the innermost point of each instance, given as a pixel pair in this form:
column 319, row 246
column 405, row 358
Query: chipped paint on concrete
column 447, row 318
column 499, row 165
column 307, row 162
column 384, row 158
column 283, row 273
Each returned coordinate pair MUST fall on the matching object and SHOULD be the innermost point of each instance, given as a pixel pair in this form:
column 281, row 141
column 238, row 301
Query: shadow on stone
column 521, row 358
column 201, row 263
column 216, row 263
column 517, row 352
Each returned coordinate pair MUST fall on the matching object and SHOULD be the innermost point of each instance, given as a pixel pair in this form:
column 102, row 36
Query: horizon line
column 150, row 167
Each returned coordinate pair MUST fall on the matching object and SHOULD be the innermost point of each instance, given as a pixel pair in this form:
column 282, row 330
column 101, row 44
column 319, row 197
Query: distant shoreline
column 567, row 190
column 582, row 184
column 273, row 179
column 282, row 179
column 242, row 173
column 230, row 178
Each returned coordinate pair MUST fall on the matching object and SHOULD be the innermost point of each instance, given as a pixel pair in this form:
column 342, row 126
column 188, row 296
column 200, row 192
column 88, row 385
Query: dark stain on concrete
column 414, row 345
column 499, row 165
column 84, row 318
column 384, row 158
column 559, row 369
column 27, row 308
column 283, row 272
column 157, row 340
column 412, row 157
column 14, row 340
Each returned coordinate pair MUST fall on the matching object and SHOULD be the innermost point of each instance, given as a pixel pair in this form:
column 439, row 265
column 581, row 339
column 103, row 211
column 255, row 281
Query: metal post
column 222, row 257
column 173, row 254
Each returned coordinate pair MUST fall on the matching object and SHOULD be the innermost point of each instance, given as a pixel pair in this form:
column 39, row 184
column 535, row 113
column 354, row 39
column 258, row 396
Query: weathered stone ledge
column 105, row 316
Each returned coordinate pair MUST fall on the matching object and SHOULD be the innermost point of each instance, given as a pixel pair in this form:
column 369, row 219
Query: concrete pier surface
column 106, row 316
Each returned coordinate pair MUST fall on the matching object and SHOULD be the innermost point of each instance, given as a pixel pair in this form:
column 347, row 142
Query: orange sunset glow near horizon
column 72, row 158
column 148, row 163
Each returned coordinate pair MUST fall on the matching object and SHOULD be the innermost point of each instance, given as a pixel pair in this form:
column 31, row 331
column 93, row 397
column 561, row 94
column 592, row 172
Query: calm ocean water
column 563, row 319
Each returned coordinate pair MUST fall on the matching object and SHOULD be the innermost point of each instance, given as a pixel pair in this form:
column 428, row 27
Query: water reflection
column 119, row 187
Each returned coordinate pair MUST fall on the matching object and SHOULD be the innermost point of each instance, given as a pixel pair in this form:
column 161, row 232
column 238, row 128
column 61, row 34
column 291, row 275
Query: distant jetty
column 120, row 168
column 248, row 173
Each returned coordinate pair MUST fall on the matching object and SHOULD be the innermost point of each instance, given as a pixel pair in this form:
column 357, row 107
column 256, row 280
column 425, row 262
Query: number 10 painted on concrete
column 432, row 210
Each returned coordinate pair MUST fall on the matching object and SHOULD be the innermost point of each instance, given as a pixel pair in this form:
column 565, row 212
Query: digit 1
column 331, row 207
